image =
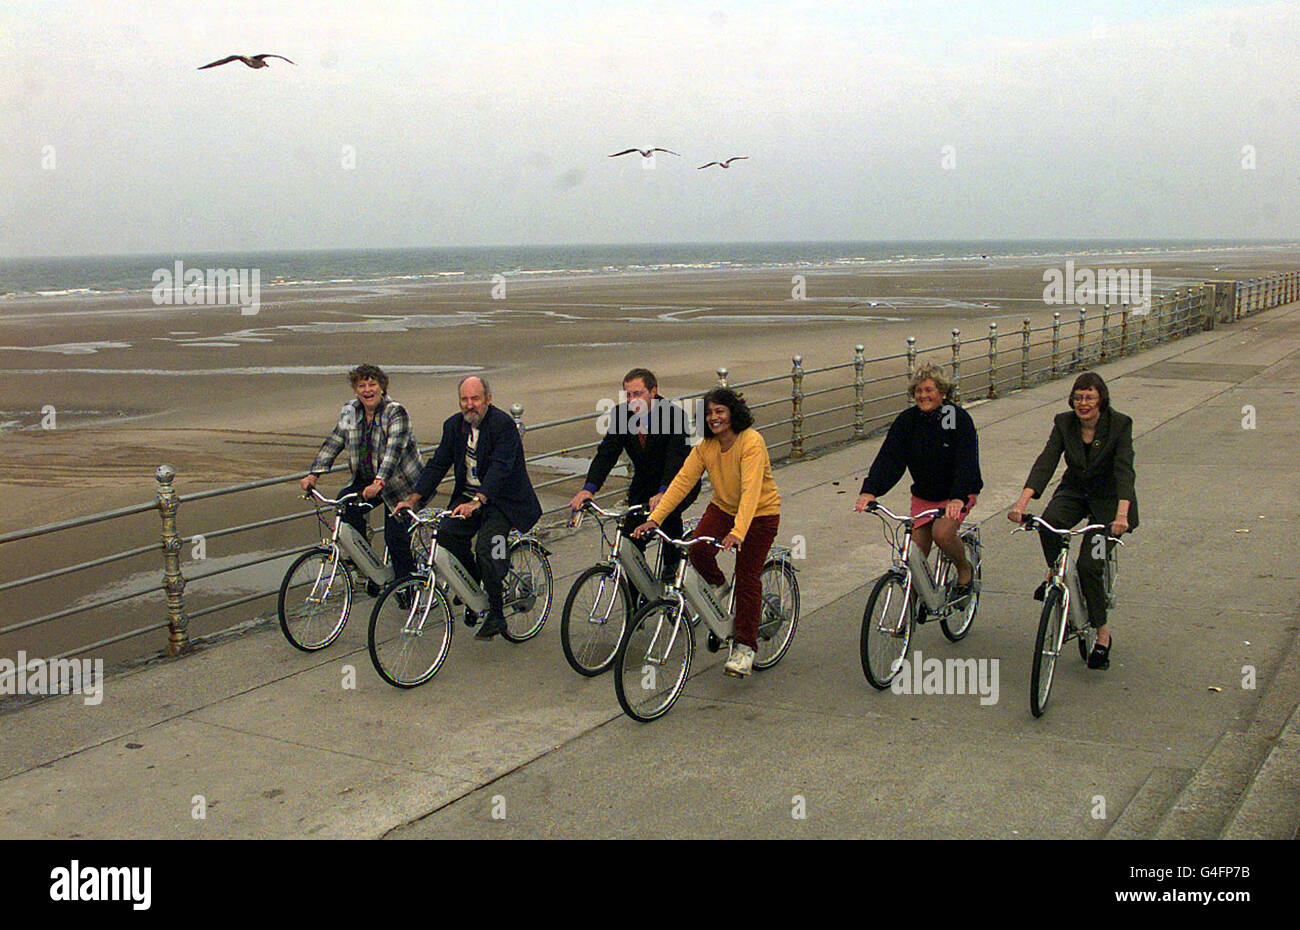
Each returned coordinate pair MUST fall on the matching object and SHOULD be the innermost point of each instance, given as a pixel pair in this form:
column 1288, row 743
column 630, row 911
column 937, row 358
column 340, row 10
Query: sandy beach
column 228, row 398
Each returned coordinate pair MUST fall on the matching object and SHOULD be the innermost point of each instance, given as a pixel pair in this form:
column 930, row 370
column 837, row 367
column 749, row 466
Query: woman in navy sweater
column 935, row 441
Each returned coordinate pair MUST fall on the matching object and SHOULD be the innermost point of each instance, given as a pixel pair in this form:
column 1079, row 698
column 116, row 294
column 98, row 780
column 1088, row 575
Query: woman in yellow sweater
column 745, row 508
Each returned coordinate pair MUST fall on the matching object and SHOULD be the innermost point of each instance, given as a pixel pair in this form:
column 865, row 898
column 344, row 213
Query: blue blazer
column 500, row 456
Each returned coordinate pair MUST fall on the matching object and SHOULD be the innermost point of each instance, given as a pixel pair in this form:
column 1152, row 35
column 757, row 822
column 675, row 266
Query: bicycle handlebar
column 425, row 517
column 1030, row 522
column 877, row 508
column 687, row 543
column 346, row 498
column 617, row 514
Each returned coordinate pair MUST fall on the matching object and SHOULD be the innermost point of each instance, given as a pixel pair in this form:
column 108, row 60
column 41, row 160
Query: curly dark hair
column 369, row 372
column 741, row 418
column 1090, row 381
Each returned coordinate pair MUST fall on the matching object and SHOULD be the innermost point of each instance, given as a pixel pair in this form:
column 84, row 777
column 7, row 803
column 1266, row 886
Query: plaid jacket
column 392, row 447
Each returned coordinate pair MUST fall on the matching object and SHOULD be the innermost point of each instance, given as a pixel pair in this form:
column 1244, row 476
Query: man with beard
column 491, row 494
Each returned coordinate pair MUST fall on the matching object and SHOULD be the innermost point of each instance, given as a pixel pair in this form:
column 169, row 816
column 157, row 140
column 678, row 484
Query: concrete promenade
column 507, row 741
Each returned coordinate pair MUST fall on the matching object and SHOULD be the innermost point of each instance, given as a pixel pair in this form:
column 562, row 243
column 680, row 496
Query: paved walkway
column 262, row 740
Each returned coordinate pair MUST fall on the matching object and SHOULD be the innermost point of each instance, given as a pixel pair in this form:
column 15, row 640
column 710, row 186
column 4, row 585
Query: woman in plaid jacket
column 382, row 456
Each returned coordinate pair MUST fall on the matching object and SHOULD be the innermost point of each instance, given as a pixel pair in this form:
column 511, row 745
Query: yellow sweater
column 741, row 476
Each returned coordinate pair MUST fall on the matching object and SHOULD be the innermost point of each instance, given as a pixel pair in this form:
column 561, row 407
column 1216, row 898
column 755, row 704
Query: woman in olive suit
column 1098, row 485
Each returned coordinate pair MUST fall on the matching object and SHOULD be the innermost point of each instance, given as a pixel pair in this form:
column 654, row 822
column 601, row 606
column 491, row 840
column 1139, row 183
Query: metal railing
column 821, row 407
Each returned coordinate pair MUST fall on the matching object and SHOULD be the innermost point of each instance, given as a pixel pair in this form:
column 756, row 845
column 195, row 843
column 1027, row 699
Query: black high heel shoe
column 1100, row 657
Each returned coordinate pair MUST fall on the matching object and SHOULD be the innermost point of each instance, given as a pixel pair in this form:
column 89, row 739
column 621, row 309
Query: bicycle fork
column 677, row 629
column 334, row 563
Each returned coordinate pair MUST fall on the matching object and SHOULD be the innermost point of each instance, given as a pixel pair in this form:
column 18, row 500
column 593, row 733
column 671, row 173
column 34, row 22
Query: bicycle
column 605, row 596
column 911, row 592
column 411, row 623
column 661, row 635
column 1063, row 601
column 315, row 621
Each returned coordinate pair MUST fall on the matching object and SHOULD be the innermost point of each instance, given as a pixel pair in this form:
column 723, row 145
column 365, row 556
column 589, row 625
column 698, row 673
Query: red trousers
column 717, row 523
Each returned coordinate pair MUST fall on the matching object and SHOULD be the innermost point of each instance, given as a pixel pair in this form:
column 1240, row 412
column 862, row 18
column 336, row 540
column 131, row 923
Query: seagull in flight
column 645, row 153
column 256, row 61
column 723, row 164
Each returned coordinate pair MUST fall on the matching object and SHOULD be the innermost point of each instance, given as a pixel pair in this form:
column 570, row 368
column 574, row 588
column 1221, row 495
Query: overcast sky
column 490, row 123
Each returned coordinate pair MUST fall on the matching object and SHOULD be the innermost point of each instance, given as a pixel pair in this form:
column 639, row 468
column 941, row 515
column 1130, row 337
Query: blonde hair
column 930, row 372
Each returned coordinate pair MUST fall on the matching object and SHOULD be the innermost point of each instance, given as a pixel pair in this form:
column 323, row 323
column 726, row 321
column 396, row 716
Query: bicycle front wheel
column 314, row 601
column 1047, row 646
column 780, row 613
column 410, row 632
column 527, row 591
column 653, row 661
column 887, row 626
column 957, row 623
column 594, row 618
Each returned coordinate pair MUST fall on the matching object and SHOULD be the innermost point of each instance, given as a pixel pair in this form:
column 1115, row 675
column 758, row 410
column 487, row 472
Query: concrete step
column 1142, row 815
column 1270, row 809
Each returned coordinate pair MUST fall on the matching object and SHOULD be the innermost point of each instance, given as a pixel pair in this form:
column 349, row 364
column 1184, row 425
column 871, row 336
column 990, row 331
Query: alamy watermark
column 920, row 675
column 55, row 676
column 625, row 419
column 1108, row 286
column 222, row 287
column 79, row 882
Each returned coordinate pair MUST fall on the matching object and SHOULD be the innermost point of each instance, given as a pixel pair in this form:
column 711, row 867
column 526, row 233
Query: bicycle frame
column 627, row 559
column 346, row 540
column 913, row 567
column 1065, row 574
column 448, row 571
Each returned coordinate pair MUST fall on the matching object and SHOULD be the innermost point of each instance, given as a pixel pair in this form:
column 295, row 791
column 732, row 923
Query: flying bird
column 645, row 153
column 257, row 61
column 723, row 164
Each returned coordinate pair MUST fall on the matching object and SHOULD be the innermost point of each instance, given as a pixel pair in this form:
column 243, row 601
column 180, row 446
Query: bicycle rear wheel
column 780, row 613
column 957, row 624
column 887, row 626
column 315, row 599
column 595, row 615
column 653, row 661
column 1047, row 646
column 527, row 591
column 410, row 632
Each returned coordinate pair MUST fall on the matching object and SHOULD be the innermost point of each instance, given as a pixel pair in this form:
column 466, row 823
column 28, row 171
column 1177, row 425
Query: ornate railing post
column 993, row 360
column 911, row 358
column 722, row 377
column 956, row 366
column 1024, row 353
column 517, row 414
column 1079, row 357
column 1056, row 343
column 796, row 402
column 859, row 393
column 1105, row 331
column 1123, row 330
column 178, row 636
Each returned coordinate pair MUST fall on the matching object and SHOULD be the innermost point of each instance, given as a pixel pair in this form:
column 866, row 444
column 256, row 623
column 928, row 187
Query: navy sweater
column 939, row 448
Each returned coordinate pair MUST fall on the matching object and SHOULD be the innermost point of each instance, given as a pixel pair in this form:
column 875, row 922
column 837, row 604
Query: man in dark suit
column 653, row 433
column 491, row 495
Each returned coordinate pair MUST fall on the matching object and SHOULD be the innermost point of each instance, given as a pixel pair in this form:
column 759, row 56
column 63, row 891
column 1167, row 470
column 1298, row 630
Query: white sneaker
column 741, row 662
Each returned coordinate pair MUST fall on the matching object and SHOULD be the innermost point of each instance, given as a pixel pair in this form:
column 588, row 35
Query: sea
column 123, row 274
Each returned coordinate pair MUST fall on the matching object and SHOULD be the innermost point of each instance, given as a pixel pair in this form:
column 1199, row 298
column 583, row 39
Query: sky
column 451, row 124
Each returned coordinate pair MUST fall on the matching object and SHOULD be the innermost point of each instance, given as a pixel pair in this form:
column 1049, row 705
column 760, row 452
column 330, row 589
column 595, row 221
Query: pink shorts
column 920, row 506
